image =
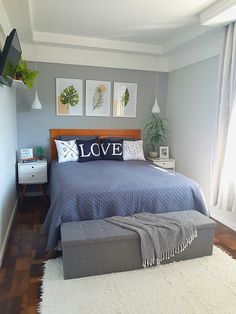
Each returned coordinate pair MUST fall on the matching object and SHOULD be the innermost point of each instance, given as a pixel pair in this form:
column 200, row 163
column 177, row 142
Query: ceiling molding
column 4, row 20
column 200, row 50
column 215, row 9
column 97, row 43
column 91, row 57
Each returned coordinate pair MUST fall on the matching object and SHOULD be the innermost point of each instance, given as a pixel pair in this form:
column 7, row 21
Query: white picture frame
column 98, row 98
column 73, row 107
column 26, row 153
column 164, row 152
column 124, row 100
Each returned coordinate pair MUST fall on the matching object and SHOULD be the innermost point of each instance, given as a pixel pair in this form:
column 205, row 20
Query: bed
column 103, row 188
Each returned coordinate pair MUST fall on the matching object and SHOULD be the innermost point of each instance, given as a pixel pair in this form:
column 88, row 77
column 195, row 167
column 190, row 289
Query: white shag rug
column 203, row 285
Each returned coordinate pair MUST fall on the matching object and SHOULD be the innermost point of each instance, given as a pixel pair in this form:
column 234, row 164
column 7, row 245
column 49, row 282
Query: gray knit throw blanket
column 161, row 237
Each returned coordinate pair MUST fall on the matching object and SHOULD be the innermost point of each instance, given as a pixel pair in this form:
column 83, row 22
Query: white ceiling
column 153, row 22
column 149, row 21
column 141, row 32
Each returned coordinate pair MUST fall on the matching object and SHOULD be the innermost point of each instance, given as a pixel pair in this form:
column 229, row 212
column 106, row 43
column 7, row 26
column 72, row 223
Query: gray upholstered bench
column 97, row 247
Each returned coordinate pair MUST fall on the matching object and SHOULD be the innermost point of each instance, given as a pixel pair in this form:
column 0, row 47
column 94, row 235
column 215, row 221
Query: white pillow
column 67, row 150
column 133, row 150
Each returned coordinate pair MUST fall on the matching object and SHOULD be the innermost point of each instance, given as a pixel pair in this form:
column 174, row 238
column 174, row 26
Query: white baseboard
column 224, row 221
column 8, row 232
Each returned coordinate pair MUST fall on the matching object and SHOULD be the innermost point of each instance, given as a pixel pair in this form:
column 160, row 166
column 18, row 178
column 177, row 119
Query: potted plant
column 39, row 152
column 155, row 132
column 24, row 74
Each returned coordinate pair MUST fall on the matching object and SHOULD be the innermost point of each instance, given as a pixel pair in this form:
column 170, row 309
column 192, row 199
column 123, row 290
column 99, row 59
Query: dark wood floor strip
column 21, row 272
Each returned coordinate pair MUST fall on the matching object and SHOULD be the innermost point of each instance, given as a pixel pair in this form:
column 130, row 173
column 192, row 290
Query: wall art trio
column 70, row 100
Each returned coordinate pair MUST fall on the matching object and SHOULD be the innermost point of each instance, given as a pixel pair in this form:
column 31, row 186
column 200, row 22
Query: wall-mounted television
column 9, row 58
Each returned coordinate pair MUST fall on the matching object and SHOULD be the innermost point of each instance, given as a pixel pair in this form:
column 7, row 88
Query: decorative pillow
column 88, row 150
column 67, row 150
column 111, row 149
column 133, row 150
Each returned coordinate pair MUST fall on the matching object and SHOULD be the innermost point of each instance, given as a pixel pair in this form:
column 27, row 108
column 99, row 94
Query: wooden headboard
column 54, row 133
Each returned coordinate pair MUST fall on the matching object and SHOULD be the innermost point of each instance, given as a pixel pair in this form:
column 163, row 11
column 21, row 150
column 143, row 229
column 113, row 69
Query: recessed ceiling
column 154, row 22
column 149, row 21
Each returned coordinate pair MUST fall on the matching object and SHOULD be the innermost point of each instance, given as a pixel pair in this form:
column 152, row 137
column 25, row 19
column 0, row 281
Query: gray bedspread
column 105, row 188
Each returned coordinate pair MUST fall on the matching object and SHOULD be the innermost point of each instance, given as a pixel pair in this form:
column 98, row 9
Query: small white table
column 32, row 173
column 164, row 163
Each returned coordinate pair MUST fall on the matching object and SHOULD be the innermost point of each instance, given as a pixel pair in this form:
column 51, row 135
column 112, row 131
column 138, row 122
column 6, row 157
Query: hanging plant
column 69, row 96
column 24, row 74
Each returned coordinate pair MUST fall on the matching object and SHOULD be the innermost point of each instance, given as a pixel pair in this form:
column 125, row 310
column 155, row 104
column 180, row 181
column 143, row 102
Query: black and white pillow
column 67, row 150
column 88, row 150
column 111, row 149
column 133, row 150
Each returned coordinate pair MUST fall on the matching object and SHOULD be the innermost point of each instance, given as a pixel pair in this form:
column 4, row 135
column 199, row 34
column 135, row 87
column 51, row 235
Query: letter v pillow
column 111, row 149
column 67, row 150
column 88, row 150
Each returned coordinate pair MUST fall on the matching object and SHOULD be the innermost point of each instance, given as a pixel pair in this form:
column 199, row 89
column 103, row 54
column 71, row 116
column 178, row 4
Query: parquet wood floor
column 21, row 272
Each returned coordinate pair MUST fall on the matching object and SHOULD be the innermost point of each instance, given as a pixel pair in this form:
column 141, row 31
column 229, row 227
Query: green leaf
column 24, row 74
column 125, row 98
column 98, row 97
column 69, row 96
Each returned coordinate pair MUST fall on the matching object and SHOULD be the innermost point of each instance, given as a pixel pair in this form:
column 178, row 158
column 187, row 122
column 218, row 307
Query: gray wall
column 34, row 125
column 8, row 194
column 192, row 112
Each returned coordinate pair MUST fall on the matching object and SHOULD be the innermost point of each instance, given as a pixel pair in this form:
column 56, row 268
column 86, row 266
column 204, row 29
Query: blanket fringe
column 168, row 255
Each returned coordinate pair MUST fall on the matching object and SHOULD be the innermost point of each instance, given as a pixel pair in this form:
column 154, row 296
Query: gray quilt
column 105, row 188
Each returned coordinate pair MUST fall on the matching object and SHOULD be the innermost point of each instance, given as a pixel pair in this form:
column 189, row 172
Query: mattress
column 104, row 188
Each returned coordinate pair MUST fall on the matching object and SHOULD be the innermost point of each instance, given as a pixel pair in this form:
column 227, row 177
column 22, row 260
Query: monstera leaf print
column 69, row 96
column 125, row 98
column 98, row 97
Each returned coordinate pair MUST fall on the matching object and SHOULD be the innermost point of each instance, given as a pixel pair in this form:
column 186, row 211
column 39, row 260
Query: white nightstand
column 32, row 173
column 164, row 163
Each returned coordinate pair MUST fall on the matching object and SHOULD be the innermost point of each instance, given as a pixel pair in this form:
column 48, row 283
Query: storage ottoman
column 96, row 247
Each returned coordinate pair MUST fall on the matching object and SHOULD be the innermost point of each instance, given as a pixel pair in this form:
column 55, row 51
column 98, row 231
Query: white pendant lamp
column 36, row 104
column 156, row 108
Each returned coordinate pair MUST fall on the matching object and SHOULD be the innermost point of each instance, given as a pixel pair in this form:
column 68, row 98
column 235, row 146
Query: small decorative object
column 26, row 153
column 24, row 74
column 39, row 152
column 164, row 152
column 155, row 132
column 125, row 100
column 69, row 97
column 98, row 97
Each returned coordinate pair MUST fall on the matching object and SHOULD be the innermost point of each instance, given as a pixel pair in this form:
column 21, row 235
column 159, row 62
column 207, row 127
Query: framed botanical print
column 69, row 97
column 98, row 98
column 124, row 100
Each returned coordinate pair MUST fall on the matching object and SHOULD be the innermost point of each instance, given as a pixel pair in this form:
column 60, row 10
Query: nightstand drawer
column 33, row 177
column 32, row 168
column 165, row 164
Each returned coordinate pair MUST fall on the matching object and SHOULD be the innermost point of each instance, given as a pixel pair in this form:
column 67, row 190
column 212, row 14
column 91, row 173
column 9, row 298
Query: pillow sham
column 67, row 150
column 111, row 149
column 88, row 150
column 133, row 150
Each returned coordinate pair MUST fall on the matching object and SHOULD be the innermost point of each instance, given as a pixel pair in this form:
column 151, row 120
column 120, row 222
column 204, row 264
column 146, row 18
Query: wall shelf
column 19, row 84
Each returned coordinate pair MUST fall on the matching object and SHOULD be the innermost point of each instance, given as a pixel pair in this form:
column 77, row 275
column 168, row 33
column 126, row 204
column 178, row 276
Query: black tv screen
column 9, row 58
